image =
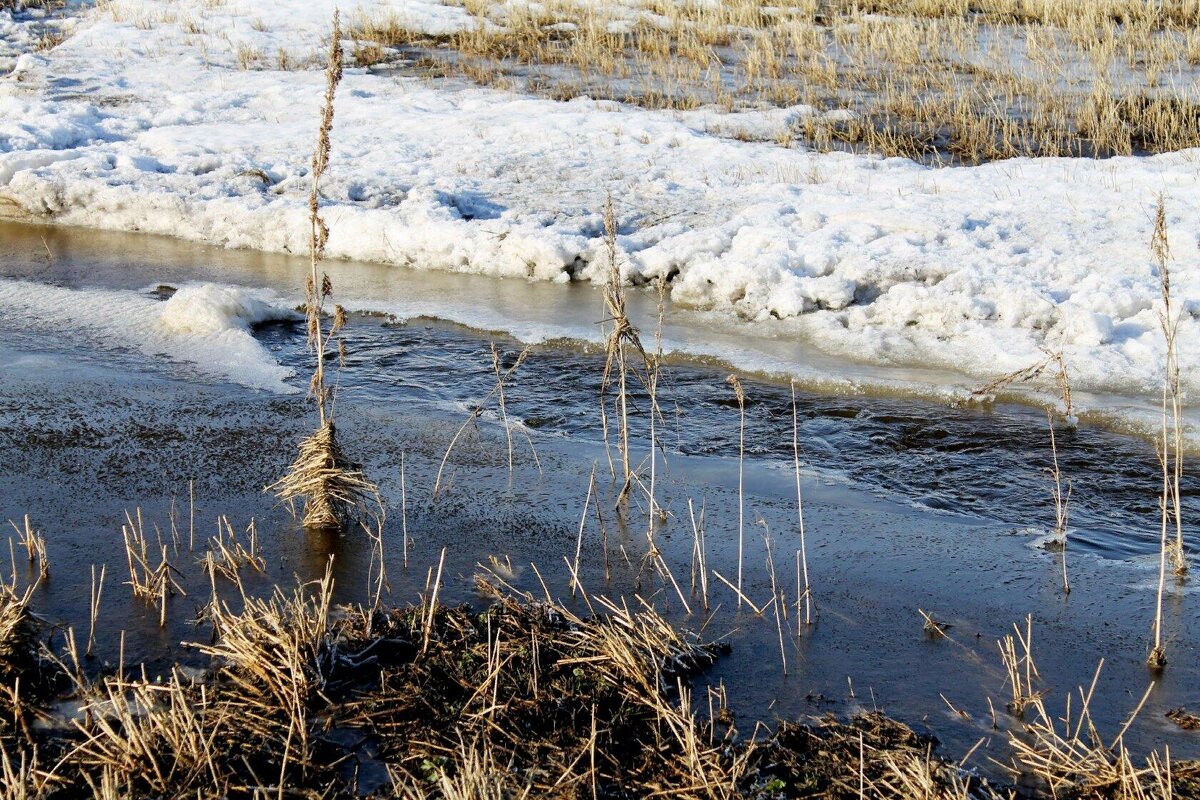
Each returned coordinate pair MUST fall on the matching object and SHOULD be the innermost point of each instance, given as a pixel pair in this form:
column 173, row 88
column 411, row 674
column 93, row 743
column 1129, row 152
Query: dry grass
column 740, row 394
column 504, row 374
column 1062, row 501
column 151, row 575
column 23, row 678
column 333, row 487
column 228, row 553
column 1069, row 758
column 34, row 544
column 940, row 80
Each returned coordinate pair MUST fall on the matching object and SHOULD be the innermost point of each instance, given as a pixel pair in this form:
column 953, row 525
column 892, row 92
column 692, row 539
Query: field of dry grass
column 943, row 81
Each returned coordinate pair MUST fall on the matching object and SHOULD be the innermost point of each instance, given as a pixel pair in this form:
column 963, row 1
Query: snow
column 143, row 120
column 205, row 326
column 210, row 310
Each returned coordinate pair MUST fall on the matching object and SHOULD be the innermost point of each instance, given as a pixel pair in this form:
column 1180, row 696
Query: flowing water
column 910, row 503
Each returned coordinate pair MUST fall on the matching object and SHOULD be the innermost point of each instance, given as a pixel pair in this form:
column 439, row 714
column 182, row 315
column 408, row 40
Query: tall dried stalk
column 430, row 603
column 653, row 371
column 318, row 231
column 403, row 510
column 1169, row 321
column 802, row 553
column 733, row 381
column 377, row 570
column 776, row 601
column 699, row 554
column 501, row 376
column 191, row 515
column 1062, row 502
column 1170, row 445
column 623, row 340
column 587, row 501
column 333, row 488
column 94, row 609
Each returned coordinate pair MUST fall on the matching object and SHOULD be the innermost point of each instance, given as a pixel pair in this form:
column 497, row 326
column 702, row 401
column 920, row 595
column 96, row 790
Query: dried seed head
column 341, row 352
column 339, row 318
column 326, row 286
column 1161, row 247
column 733, row 381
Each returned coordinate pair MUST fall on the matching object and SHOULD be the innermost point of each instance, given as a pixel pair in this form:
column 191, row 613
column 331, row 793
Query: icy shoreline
column 143, row 121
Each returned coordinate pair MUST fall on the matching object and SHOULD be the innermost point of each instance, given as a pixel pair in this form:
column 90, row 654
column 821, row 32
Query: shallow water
column 909, row 504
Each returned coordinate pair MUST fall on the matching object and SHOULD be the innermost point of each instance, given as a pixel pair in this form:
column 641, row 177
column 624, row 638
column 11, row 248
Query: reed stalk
column 802, row 553
column 1061, row 503
column 333, row 488
column 740, row 393
column 622, row 342
column 1170, row 444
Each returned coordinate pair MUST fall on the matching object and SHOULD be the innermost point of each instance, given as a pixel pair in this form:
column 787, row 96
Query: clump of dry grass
column 156, row 737
column 23, row 681
column 334, row 489
column 1070, row 758
column 150, row 580
column 17, row 631
column 565, row 703
column 34, row 544
column 228, row 553
column 273, row 660
column 870, row 756
column 1017, row 657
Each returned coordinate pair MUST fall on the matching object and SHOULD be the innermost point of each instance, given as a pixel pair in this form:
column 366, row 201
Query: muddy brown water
column 908, row 504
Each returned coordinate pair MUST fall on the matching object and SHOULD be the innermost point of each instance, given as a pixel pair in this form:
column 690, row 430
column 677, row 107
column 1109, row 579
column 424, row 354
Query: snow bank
column 142, row 120
column 206, row 326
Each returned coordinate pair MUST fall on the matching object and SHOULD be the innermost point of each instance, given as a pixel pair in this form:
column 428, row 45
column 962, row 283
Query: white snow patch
column 206, row 326
column 209, row 309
